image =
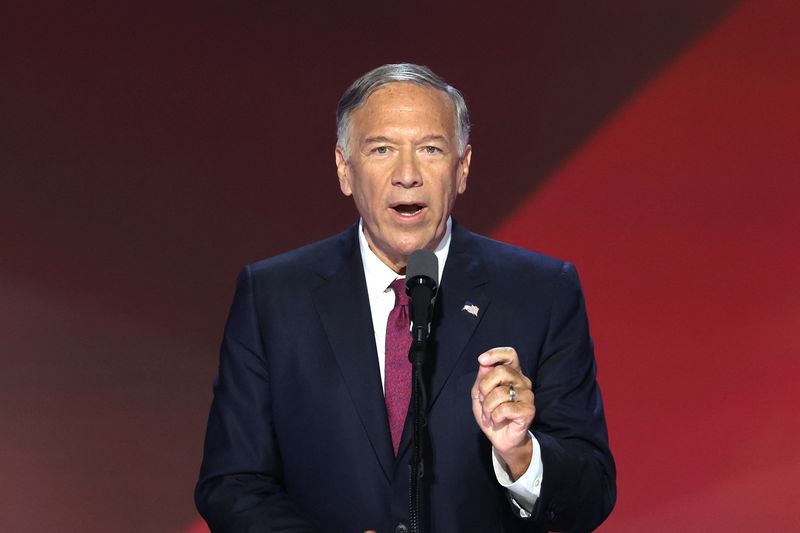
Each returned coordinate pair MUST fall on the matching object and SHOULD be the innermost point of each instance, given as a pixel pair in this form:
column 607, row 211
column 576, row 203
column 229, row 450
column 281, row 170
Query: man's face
column 404, row 171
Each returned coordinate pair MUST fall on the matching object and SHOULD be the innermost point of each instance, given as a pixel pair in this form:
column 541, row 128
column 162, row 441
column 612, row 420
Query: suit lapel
column 343, row 307
column 465, row 282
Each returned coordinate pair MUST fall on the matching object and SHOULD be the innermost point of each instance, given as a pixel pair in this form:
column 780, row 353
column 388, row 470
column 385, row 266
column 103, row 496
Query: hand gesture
column 503, row 405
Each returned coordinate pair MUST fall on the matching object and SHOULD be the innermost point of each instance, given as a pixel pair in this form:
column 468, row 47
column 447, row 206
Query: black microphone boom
column 422, row 282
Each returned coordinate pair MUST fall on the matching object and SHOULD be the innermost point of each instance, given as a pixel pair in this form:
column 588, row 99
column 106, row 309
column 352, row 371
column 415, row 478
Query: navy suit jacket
column 298, row 437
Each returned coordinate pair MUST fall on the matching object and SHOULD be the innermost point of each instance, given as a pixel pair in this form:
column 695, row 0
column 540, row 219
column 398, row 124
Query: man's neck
column 374, row 263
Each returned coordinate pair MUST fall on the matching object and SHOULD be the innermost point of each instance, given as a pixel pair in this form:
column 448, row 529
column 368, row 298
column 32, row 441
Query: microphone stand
column 419, row 404
column 423, row 290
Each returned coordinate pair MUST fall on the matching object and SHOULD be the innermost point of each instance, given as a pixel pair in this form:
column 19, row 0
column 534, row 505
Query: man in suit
column 305, row 433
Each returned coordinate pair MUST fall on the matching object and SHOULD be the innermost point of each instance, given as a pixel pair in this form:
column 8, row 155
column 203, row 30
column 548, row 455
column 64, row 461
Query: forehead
column 404, row 105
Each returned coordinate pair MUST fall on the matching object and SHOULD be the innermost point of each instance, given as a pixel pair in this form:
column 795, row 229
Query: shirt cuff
column 525, row 490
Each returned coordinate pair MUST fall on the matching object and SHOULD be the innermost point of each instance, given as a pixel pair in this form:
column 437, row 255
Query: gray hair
column 363, row 87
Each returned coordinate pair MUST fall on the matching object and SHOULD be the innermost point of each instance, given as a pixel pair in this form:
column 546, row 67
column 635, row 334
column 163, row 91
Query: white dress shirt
column 525, row 490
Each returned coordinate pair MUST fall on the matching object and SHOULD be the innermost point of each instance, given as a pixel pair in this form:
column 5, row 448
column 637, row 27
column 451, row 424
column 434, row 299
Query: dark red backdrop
column 149, row 150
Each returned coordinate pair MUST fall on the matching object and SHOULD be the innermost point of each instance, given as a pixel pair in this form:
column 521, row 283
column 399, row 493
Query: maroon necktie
column 398, row 367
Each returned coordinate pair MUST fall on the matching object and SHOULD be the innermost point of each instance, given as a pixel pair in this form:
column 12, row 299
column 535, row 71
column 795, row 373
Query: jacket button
column 401, row 528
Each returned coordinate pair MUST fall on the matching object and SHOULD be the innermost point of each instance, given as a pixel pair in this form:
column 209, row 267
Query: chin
column 410, row 249
column 406, row 243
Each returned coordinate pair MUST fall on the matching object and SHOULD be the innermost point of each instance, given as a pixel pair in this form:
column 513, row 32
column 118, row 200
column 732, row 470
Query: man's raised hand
column 503, row 405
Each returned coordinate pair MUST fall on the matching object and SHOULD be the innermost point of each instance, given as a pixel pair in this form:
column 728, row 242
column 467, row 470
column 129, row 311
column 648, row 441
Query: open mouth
column 408, row 210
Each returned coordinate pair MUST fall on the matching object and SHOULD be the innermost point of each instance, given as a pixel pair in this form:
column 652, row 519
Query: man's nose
column 407, row 172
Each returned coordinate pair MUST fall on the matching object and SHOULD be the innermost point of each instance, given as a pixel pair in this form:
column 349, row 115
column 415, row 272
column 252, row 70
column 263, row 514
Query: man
column 305, row 433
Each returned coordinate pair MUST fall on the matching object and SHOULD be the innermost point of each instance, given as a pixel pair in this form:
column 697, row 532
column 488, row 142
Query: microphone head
column 422, row 264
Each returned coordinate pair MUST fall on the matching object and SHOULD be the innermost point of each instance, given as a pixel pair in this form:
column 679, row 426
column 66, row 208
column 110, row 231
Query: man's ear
column 342, row 170
column 463, row 169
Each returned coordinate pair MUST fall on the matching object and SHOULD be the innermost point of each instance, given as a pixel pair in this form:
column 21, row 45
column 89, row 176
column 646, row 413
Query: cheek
column 367, row 200
column 449, row 194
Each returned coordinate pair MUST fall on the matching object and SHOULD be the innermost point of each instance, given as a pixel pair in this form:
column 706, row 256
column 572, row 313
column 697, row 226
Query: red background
column 149, row 150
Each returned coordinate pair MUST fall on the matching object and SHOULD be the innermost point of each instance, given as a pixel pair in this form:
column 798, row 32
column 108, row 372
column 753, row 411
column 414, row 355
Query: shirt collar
column 379, row 276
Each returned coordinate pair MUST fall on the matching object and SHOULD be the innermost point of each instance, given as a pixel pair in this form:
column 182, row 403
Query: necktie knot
column 399, row 288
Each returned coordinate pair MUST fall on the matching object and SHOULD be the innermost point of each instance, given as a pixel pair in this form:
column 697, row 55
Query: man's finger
column 503, row 376
column 519, row 414
column 501, row 395
column 504, row 355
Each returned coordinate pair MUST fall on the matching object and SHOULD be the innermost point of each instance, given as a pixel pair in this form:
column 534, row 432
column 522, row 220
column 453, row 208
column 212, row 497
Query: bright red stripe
column 682, row 215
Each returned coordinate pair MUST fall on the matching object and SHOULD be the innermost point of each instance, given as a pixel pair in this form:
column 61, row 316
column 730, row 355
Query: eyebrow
column 379, row 139
column 440, row 138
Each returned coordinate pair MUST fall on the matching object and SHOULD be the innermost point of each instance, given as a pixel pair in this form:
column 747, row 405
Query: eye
column 432, row 150
column 381, row 150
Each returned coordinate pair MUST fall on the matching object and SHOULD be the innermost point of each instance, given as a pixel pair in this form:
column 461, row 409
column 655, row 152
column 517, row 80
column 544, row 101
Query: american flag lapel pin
column 470, row 308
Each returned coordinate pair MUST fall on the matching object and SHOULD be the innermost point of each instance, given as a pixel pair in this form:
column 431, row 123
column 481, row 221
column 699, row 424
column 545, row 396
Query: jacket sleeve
column 579, row 482
column 240, row 489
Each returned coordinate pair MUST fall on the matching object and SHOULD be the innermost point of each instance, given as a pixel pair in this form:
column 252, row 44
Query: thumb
column 482, row 371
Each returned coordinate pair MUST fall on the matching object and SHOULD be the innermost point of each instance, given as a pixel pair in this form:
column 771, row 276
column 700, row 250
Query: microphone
column 422, row 281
